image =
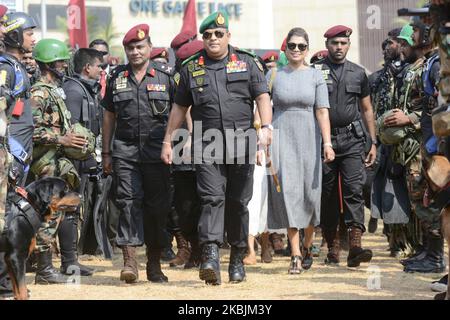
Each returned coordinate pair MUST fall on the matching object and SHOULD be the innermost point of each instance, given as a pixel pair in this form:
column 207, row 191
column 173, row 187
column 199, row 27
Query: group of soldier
column 71, row 114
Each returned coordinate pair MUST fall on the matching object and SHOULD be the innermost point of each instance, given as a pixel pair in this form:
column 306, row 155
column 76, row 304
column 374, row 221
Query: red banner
column 190, row 19
column 76, row 24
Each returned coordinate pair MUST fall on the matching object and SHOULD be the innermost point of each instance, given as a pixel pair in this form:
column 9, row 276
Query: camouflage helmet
column 15, row 24
column 88, row 150
column 51, row 50
column 390, row 135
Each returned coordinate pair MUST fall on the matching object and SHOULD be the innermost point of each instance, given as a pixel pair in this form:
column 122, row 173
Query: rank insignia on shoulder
column 156, row 87
column 260, row 66
column 236, row 66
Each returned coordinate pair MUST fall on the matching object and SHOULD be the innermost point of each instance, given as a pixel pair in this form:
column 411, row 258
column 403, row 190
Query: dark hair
column 299, row 32
column 394, row 33
column 97, row 42
column 85, row 56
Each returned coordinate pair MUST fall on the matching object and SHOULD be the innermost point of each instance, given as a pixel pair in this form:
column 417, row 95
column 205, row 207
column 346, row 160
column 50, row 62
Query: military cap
column 181, row 39
column 284, row 45
column 270, row 56
column 338, row 31
column 319, row 55
column 159, row 53
column 218, row 19
column 406, row 34
column 189, row 49
column 3, row 10
column 137, row 33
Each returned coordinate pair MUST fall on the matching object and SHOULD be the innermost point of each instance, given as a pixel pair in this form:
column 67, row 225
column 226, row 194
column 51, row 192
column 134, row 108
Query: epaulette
column 191, row 58
column 252, row 54
column 318, row 66
column 117, row 70
column 163, row 67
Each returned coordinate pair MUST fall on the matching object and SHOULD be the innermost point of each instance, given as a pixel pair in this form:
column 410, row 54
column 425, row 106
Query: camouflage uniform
column 4, row 163
column 51, row 120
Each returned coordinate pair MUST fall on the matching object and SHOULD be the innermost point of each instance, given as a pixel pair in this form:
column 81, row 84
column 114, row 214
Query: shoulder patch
column 176, row 78
column 191, row 58
column 37, row 93
column 258, row 63
column 163, row 67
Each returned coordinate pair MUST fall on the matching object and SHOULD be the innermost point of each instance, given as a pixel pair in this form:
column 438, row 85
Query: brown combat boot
column 130, row 272
column 183, row 253
column 356, row 254
column 277, row 243
column 266, row 254
column 333, row 244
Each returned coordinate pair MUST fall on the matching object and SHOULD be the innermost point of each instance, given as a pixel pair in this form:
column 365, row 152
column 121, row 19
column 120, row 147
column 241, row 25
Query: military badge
column 191, row 67
column 176, row 78
column 236, row 66
column 140, row 34
column 347, row 33
column 220, row 20
column 156, row 87
column 200, row 81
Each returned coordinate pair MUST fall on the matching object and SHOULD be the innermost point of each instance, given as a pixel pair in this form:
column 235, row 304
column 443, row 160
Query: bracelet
column 328, row 144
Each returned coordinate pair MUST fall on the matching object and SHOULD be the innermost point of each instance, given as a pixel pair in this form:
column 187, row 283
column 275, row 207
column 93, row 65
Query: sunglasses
column 207, row 35
column 301, row 46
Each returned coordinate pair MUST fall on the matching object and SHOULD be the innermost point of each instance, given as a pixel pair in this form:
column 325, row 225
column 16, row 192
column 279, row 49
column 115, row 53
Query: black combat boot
column 333, row 243
column 356, row 254
column 210, row 264
column 236, row 270
column 46, row 273
column 420, row 253
column 154, row 272
column 433, row 262
column 68, row 235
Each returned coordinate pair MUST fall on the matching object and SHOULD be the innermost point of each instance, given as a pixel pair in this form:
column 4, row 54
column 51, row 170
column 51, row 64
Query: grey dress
column 296, row 148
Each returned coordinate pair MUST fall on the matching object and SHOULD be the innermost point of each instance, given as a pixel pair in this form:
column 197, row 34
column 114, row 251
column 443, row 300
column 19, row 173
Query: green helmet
column 390, row 135
column 88, row 150
column 406, row 34
column 51, row 50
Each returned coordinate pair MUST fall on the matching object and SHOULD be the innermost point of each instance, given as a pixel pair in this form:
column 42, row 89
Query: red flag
column 190, row 19
column 77, row 25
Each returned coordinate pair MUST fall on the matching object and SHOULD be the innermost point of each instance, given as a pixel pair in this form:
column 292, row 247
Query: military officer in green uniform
column 221, row 83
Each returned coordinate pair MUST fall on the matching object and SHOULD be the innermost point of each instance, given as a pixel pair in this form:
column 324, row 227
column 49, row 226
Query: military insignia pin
column 220, row 19
column 199, row 81
column 347, row 33
column 141, row 34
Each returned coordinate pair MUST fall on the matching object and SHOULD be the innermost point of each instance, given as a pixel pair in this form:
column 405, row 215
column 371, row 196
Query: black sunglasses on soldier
column 207, row 35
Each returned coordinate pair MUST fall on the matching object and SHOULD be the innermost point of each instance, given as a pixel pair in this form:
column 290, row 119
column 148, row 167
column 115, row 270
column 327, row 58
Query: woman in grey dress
column 301, row 122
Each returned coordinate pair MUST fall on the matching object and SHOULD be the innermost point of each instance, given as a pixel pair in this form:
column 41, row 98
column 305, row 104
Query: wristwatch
column 268, row 126
column 375, row 142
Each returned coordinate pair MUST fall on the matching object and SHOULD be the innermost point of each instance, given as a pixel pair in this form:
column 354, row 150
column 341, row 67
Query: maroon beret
column 338, row 31
column 3, row 10
column 189, row 49
column 159, row 53
column 137, row 33
column 322, row 54
column 181, row 39
column 270, row 56
column 284, row 45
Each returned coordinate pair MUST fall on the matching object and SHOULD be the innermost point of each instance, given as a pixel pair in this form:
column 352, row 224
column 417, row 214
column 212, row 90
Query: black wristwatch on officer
column 375, row 142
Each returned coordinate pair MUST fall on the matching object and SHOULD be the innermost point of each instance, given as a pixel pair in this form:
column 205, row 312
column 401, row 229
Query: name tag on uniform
column 198, row 73
column 156, row 87
column 236, row 66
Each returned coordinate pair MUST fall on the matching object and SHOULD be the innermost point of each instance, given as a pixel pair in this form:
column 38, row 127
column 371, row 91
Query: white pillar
column 265, row 20
column 43, row 19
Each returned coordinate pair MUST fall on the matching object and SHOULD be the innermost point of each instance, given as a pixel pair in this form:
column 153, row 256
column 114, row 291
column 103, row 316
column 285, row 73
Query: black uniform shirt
column 345, row 89
column 141, row 110
column 21, row 127
column 221, row 93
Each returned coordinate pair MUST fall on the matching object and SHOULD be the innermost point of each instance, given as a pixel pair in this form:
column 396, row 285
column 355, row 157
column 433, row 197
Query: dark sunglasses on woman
column 207, row 35
column 301, row 46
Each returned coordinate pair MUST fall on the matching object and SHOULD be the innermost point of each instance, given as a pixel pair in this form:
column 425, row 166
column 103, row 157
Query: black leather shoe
column 46, row 273
column 154, row 272
column 373, row 225
column 210, row 264
column 236, row 270
column 420, row 255
column 433, row 262
column 76, row 268
column 358, row 255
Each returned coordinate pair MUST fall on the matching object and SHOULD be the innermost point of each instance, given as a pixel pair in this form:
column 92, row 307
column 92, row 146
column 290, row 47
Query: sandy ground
column 264, row 281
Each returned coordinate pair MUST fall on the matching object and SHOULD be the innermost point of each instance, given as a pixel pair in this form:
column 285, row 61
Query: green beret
column 218, row 19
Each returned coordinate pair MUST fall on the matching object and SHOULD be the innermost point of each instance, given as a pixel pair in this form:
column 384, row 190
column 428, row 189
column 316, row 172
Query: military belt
column 340, row 130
